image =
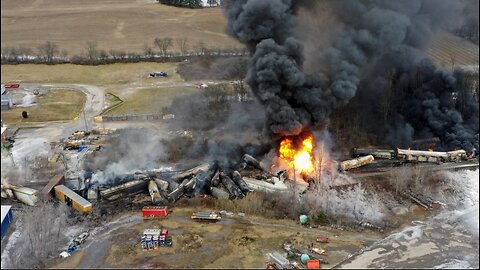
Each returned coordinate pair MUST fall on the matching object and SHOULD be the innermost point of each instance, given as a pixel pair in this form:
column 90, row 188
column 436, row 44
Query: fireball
column 298, row 156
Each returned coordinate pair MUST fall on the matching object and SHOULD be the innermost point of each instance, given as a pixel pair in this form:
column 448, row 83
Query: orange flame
column 299, row 157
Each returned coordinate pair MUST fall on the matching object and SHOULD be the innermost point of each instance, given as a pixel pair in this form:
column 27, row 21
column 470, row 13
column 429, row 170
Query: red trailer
column 12, row 85
column 155, row 211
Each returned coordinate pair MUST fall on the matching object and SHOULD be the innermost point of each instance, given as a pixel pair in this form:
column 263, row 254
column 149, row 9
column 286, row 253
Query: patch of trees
column 41, row 236
column 162, row 49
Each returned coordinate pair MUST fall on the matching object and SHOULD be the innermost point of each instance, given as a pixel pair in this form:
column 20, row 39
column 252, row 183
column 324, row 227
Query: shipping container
column 155, row 211
column 47, row 192
column 26, row 195
column 7, row 216
column 72, row 199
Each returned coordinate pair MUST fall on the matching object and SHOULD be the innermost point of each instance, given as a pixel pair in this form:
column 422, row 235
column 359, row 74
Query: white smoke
column 463, row 210
column 354, row 203
column 135, row 150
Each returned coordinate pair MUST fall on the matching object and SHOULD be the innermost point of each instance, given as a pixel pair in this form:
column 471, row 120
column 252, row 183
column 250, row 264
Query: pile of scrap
column 80, row 140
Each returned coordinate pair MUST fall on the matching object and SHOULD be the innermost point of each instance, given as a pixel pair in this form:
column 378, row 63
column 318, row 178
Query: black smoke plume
column 372, row 39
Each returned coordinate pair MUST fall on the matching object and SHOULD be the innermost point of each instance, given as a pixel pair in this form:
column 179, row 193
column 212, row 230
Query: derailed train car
column 72, row 199
column 431, row 156
column 130, row 187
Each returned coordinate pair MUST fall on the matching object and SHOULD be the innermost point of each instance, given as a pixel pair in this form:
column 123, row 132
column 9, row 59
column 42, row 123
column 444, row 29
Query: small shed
column 6, row 102
column 7, row 216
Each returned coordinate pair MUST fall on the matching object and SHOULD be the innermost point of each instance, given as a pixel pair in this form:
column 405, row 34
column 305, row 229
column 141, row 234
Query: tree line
column 188, row 3
column 160, row 50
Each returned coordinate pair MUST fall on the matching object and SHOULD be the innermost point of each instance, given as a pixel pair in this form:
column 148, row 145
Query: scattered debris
column 323, row 240
column 278, row 261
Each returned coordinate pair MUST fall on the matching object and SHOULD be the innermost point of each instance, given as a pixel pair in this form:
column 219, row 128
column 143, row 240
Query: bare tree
column 103, row 55
column 64, row 54
column 24, row 52
column 452, row 61
column 182, row 44
column 92, row 52
column 147, row 50
column 48, row 50
column 201, row 47
column 42, row 235
column 163, row 44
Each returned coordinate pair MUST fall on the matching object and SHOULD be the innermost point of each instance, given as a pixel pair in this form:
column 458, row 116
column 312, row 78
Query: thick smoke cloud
column 375, row 38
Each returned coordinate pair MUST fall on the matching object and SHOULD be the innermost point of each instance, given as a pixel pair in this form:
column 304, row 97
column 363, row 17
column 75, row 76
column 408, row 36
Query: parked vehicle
column 64, row 254
column 81, row 238
column 169, row 241
column 158, row 74
column 72, row 247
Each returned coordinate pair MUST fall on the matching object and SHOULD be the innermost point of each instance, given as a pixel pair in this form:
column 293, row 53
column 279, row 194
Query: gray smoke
column 373, row 38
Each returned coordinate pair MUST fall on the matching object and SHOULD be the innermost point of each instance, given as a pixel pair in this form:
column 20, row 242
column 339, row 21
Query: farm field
column 121, row 25
column 447, row 49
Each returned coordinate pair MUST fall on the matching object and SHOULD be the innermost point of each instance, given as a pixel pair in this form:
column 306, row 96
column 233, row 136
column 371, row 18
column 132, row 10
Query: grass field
column 124, row 25
column 149, row 100
column 54, row 106
column 94, row 75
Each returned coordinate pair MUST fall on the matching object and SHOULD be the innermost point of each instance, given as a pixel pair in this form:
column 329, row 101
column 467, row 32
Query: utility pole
column 85, row 119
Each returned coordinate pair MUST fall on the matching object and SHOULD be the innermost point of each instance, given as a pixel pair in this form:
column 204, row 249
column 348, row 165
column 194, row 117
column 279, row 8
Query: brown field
column 447, row 50
column 124, row 25
column 56, row 105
